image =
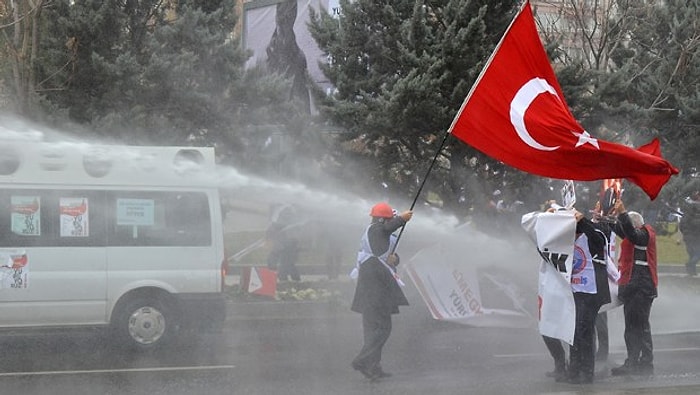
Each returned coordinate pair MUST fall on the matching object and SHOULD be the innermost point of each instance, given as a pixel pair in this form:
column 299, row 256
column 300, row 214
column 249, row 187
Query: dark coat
column 377, row 291
column 598, row 234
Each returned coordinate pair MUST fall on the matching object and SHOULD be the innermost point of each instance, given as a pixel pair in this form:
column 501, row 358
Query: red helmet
column 382, row 210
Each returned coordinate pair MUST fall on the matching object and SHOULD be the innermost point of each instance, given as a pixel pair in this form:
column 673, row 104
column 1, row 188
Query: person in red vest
column 637, row 290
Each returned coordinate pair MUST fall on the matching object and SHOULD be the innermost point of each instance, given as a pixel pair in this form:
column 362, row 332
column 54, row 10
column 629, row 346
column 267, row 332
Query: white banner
column 554, row 235
column 448, row 282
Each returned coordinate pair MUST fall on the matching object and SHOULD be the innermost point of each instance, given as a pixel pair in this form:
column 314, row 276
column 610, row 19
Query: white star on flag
column 585, row 138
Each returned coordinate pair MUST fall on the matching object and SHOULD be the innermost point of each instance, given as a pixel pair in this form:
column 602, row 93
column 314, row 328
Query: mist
column 504, row 265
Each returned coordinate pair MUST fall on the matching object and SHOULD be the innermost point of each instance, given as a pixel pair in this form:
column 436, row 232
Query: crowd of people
column 637, row 282
column 378, row 292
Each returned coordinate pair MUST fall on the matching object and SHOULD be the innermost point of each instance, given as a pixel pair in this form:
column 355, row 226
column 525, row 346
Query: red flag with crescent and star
column 516, row 113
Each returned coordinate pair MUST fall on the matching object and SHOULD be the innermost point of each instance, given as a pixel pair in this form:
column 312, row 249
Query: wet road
column 306, row 348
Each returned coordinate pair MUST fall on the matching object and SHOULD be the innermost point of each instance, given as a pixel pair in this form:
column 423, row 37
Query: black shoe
column 558, row 375
column 624, row 370
column 365, row 372
column 579, row 380
column 576, row 379
column 586, row 380
column 646, row 369
column 382, row 374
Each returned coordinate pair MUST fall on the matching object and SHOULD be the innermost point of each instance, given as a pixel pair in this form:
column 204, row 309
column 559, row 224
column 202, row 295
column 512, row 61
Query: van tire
column 145, row 323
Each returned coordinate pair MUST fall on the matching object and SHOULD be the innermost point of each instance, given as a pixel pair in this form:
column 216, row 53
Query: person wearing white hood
column 378, row 292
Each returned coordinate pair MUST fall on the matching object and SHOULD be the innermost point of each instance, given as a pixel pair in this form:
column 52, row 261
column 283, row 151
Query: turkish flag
column 516, row 113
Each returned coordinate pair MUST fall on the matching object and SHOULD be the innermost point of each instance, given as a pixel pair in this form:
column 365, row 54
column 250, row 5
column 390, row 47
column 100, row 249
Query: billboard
column 276, row 31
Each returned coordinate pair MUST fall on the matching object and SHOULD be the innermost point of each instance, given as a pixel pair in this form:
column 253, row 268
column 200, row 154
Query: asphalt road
column 306, row 348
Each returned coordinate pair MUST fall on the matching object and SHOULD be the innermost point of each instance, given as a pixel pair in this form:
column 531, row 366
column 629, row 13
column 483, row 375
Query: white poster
column 568, row 194
column 74, row 213
column 14, row 272
column 261, row 21
column 26, row 215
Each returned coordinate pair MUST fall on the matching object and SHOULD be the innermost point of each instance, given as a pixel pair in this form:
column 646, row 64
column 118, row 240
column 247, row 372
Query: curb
column 305, row 310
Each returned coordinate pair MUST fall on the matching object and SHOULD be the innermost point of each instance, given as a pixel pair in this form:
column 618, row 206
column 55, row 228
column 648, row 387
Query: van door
column 52, row 257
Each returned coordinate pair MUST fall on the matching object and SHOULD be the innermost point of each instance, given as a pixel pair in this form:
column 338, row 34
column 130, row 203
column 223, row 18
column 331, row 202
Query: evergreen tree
column 402, row 70
column 164, row 73
column 661, row 69
column 133, row 68
column 647, row 87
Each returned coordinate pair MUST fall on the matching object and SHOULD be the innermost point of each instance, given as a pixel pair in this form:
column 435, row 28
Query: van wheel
column 145, row 323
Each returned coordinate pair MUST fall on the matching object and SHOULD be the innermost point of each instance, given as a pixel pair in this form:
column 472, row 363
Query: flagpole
column 420, row 188
column 526, row 3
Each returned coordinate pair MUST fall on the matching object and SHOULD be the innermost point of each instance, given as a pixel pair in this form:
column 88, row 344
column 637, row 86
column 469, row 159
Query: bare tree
column 19, row 27
column 588, row 31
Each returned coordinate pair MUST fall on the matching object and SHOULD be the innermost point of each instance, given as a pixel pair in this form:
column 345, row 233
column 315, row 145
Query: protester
column 690, row 228
column 638, row 288
column 284, row 247
column 378, row 293
column 589, row 282
column 601, row 213
column 554, row 345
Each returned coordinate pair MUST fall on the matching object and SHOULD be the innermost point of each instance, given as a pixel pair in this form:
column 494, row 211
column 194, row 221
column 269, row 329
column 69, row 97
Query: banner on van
column 14, row 273
column 74, row 217
column 26, row 215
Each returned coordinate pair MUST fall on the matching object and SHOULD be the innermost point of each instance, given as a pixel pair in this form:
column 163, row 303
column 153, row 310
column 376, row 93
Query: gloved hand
column 393, row 260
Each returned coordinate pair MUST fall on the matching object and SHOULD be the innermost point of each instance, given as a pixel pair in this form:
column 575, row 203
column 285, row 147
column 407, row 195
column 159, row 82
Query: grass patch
column 670, row 248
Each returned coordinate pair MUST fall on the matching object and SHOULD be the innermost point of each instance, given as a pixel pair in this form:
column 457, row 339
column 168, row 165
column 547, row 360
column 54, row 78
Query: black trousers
column 582, row 354
column 556, row 349
column 376, row 328
column 601, row 330
column 640, row 349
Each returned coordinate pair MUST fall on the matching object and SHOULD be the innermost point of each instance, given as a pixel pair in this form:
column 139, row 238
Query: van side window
column 21, row 222
column 156, row 218
column 50, row 218
column 188, row 218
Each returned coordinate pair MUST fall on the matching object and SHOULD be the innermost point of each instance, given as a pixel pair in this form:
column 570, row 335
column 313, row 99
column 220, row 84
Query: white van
column 124, row 237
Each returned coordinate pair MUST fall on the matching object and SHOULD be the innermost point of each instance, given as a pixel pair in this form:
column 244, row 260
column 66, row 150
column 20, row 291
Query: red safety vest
column 627, row 258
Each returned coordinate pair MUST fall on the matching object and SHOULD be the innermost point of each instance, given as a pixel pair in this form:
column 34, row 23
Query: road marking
column 132, row 370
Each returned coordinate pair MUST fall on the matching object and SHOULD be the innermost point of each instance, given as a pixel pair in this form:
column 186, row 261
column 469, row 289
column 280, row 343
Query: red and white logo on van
column 19, row 261
column 16, row 259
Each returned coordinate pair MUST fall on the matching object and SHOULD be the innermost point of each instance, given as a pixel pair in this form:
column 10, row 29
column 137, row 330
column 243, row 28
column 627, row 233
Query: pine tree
column 661, row 66
column 149, row 72
column 402, row 70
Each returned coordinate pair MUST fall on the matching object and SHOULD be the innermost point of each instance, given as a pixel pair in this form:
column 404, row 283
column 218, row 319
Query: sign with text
column 137, row 212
